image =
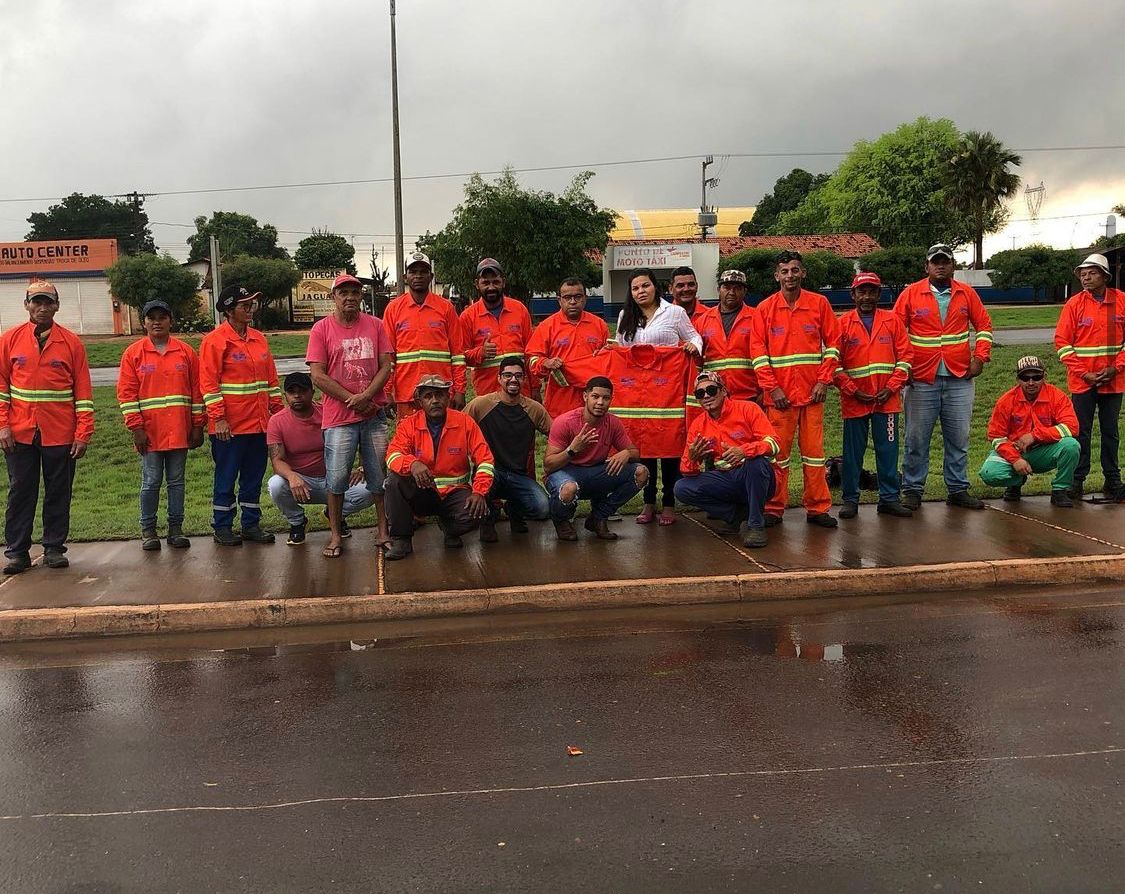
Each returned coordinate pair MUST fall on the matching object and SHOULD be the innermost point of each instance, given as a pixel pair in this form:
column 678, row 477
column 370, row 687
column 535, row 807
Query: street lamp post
column 400, row 255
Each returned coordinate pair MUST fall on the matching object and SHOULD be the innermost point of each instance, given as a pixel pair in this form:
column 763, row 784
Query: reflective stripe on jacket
column 1089, row 338
column 934, row 340
column 238, row 379
column 1050, row 419
column 794, row 348
column 872, row 362
column 462, row 453
column 160, row 392
column 426, row 339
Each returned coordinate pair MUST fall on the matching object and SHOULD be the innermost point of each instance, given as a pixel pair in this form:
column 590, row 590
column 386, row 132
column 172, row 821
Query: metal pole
column 400, row 254
column 216, row 280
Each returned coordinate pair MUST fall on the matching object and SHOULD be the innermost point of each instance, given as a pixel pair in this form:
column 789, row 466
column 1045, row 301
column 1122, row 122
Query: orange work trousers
column 807, row 423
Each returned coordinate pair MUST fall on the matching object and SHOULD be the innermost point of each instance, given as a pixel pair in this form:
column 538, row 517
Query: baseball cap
column 298, row 380
column 346, row 279
column 418, row 257
column 231, row 295
column 866, row 278
column 155, row 304
column 1030, row 362
column 1099, row 261
column 939, row 249
column 432, row 381
column 732, row 276
column 41, row 287
column 489, row 264
column 709, row 375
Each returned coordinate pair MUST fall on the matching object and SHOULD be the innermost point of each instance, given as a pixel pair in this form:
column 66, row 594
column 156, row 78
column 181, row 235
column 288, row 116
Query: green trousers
column 1062, row 456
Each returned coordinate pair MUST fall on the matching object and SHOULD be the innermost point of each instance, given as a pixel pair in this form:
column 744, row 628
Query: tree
column 788, row 192
column 539, row 237
column 94, row 217
column 978, row 181
column 1119, row 210
column 381, row 287
column 893, row 188
column 238, row 234
column 1037, row 266
column 324, row 250
column 898, row 265
column 823, row 269
column 136, row 279
column 275, row 278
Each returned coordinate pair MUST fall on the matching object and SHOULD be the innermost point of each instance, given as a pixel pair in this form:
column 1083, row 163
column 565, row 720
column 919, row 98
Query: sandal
column 331, row 552
column 646, row 517
column 667, row 517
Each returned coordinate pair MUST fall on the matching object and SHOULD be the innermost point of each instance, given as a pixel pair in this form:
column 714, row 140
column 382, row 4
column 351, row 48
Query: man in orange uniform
column 1089, row 338
column 875, row 356
column 795, row 359
column 426, row 337
column 570, row 334
column 46, row 421
column 158, row 390
column 1032, row 430
column 432, row 458
column 240, row 393
column 685, row 292
column 727, row 330
column 937, row 312
column 492, row 327
column 726, row 463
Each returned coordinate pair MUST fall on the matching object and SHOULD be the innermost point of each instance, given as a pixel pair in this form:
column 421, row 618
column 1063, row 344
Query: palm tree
column 978, row 183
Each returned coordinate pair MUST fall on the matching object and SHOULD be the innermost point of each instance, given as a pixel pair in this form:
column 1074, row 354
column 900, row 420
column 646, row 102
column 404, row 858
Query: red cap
column 346, row 279
column 867, row 278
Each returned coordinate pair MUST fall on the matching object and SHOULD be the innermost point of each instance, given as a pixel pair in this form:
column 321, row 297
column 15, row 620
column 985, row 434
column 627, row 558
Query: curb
column 22, row 625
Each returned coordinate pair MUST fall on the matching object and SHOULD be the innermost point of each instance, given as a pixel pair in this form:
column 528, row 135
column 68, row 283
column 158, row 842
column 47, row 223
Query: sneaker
column 149, row 540
column 257, row 535
column 56, row 559
column 565, row 530
column 453, row 541
column 1013, row 494
column 345, row 531
column 18, row 564
column 1061, row 499
column 599, row 528
column 895, row 509
column 822, row 520
column 488, row 531
column 772, row 521
column 912, row 500
column 400, row 548
column 296, row 534
column 964, row 499
column 753, row 538
column 849, row 509
column 517, row 524
column 226, row 537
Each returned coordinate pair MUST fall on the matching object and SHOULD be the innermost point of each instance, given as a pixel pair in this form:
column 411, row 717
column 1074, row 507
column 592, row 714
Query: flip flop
column 666, row 518
column 646, row 517
column 331, row 552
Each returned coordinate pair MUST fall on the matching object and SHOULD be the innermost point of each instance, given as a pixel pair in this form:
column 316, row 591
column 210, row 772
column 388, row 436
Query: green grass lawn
column 108, row 351
column 1043, row 316
column 108, row 479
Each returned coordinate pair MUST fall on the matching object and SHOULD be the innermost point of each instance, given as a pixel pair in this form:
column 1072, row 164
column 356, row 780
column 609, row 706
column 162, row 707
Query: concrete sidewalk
column 114, row 587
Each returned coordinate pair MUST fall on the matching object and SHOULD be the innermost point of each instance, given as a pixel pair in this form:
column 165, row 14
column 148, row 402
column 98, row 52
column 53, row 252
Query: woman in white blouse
column 647, row 319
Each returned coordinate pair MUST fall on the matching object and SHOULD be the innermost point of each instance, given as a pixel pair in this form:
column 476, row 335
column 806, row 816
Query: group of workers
column 709, row 399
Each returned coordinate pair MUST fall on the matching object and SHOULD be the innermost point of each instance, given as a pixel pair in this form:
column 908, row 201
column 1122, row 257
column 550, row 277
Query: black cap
column 231, row 295
column 155, row 304
column 298, row 380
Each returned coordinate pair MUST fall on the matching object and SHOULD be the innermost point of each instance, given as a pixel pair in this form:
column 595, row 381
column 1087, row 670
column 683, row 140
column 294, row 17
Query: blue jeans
column 606, row 493
column 526, row 499
column 949, row 399
column 242, row 459
column 340, row 445
column 885, row 432
column 731, row 495
column 155, row 466
column 356, row 498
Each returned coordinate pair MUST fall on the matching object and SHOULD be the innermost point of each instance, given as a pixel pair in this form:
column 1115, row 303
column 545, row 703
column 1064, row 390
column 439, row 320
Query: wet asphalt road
column 965, row 743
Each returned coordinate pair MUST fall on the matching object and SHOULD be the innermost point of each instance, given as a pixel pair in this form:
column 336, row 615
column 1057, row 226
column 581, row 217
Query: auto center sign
column 57, row 256
column 630, row 257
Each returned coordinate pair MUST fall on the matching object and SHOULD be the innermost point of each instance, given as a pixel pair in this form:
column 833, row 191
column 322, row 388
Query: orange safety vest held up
column 426, row 339
column 934, row 340
column 46, row 390
column 795, row 348
column 872, row 362
column 160, row 392
column 1050, row 419
column 557, row 337
column 510, row 333
column 1089, row 337
column 238, row 379
column 741, row 424
column 462, row 453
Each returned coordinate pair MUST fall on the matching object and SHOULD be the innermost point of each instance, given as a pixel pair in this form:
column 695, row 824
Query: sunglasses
column 1031, row 377
column 517, row 376
column 709, row 391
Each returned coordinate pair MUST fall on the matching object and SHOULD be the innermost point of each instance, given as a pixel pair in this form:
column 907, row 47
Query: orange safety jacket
column 697, row 314
column 741, row 424
column 462, row 453
column 1089, row 337
column 426, row 339
column 872, row 362
column 510, row 333
column 934, row 340
column 730, row 355
column 1051, row 418
column 160, row 392
column 47, row 391
column 557, row 337
column 238, row 379
column 794, row 348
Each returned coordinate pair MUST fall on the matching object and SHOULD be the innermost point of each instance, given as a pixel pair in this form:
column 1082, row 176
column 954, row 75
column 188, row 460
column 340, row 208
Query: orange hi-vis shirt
column 697, row 314
column 45, row 390
column 462, row 453
column 934, row 340
column 1050, row 419
column 558, row 338
column 161, row 393
column 795, row 348
column 426, row 339
column 238, row 379
column 729, row 355
column 872, row 362
column 741, row 424
column 510, row 333
column 1090, row 337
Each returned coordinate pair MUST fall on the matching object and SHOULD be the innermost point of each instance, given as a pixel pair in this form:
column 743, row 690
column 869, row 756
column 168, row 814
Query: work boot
column 735, row 525
column 176, row 538
column 895, row 509
column 297, row 534
column 149, row 540
column 565, row 530
column 453, row 541
column 55, row 558
column 753, row 538
column 1076, row 491
column 1061, row 499
column 1111, row 490
column 912, row 500
column 400, row 548
column 1013, row 494
column 849, row 509
column 771, row 520
column 517, row 524
column 226, row 537
column 488, row 531
column 256, row 535
column 599, row 527
column 18, row 564
column 964, row 499
column 821, row 520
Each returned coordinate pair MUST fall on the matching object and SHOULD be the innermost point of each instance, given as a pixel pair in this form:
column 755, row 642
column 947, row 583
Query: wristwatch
column 571, row 453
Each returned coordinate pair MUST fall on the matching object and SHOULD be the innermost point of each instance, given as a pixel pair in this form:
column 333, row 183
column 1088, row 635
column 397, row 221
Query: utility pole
column 216, row 280
column 707, row 216
column 400, row 255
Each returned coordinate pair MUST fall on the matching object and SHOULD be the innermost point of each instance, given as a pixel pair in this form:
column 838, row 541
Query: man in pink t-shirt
column 295, row 442
column 590, row 455
column 351, row 359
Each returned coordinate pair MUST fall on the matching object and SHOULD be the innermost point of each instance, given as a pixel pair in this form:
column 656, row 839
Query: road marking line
column 561, row 786
column 723, row 540
column 1056, row 527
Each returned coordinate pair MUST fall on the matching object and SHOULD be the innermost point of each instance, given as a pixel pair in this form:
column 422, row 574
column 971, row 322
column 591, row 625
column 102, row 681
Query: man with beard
column 492, row 327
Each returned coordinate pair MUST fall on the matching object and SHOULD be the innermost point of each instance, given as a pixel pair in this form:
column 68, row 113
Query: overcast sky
column 161, row 96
